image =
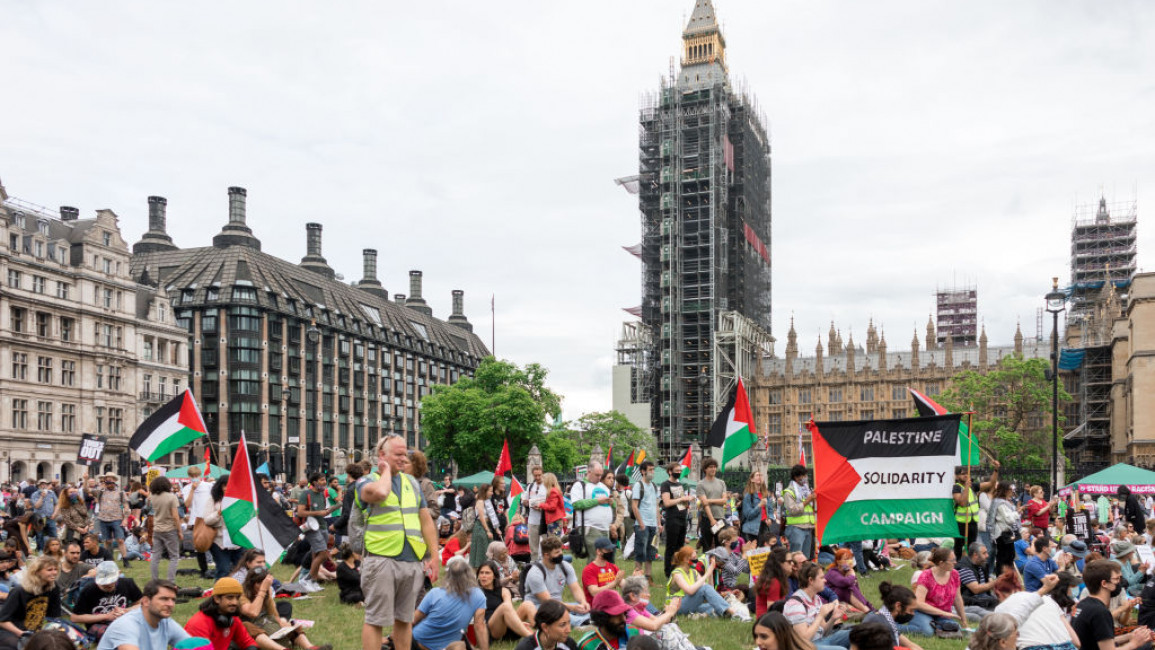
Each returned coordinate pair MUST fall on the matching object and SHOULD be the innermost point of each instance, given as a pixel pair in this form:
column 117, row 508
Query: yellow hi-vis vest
column 969, row 513
column 806, row 518
column 395, row 520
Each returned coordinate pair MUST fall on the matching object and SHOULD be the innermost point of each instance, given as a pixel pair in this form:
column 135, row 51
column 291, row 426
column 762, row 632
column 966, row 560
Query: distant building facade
column 848, row 382
column 81, row 343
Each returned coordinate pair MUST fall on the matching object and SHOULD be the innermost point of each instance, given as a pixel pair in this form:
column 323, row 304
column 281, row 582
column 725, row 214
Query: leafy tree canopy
column 468, row 421
column 610, row 428
column 1012, row 408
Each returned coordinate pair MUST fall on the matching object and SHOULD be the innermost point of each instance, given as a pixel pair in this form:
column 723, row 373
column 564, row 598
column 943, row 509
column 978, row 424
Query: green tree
column 468, row 421
column 604, row 429
column 1009, row 403
column 559, row 452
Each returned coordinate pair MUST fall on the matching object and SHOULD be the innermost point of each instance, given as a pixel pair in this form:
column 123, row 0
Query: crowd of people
column 442, row 567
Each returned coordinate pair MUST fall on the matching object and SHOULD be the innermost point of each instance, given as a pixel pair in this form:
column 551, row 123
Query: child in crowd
column 135, row 546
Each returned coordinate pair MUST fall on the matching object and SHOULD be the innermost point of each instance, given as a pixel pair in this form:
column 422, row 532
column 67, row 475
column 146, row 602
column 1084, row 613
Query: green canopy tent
column 474, row 480
column 1107, row 481
column 660, row 476
column 182, row 472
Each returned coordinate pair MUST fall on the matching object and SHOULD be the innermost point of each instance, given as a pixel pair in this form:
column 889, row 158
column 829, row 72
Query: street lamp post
column 1055, row 305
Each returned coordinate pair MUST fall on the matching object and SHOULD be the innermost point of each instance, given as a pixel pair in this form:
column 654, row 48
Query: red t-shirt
column 203, row 626
column 762, row 600
column 597, row 576
column 1040, row 513
column 451, row 547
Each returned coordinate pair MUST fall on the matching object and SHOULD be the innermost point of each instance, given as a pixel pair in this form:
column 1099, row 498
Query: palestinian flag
column 685, row 465
column 173, row 426
column 636, row 472
column 609, row 457
column 885, row 478
column 733, row 431
column 969, row 452
column 515, row 492
column 627, row 464
column 251, row 515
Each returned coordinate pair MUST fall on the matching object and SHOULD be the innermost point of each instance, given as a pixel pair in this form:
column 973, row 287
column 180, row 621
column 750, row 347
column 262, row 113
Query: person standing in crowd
column 73, row 514
column 108, row 597
column 1132, row 509
column 551, row 628
column 1094, row 624
column 712, row 501
column 32, row 602
column 196, row 496
column 798, row 501
column 150, row 626
column 623, row 507
column 966, row 511
column 1038, row 510
column 754, row 508
column 616, row 513
column 44, row 505
column 223, row 550
column 218, row 618
column 111, row 511
column 399, row 535
column 534, row 498
column 165, row 527
column 1002, row 524
column 553, row 510
column 445, row 611
column 675, row 502
column 644, row 505
column 315, row 508
column 548, row 581
column 488, row 523
column 353, row 473
column 592, row 505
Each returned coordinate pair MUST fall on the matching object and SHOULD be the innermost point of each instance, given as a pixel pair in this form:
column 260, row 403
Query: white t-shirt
column 535, row 495
column 202, row 496
column 600, row 516
column 1040, row 619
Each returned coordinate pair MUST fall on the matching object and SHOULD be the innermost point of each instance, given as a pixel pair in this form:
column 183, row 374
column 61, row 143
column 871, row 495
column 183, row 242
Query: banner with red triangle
column 885, row 478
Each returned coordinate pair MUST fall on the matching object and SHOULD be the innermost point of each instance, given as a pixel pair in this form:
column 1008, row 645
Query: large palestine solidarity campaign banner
column 885, row 478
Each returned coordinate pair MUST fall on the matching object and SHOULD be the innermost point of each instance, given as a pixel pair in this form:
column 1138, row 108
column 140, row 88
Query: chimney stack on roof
column 369, row 281
column 69, row 213
column 415, row 301
column 236, row 232
column 313, row 260
column 156, row 239
column 399, row 298
column 458, row 316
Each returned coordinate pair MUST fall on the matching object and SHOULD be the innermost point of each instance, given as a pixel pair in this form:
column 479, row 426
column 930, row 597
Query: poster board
column 91, row 449
column 757, row 560
column 1079, row 524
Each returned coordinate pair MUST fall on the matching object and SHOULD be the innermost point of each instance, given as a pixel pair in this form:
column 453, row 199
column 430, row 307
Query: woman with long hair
column 897, row 610
column 447, row 609
column 225, row 553
column 553, row 509
column 54, row 548
column 756, row 508
column 1003, row 524
column 551, row 628
column 32, row 602
column 457, row 546
column 500, row 614
column 73, row 513
column 349, row 576
column 773, row 583
column 772, row 631
column 497, row 553
column 482, row 532
column 259, row 613
column 695, row 589
column 137, row 495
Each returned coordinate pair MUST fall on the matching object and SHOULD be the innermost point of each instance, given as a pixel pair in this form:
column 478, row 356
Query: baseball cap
column 610, row 602
column 603, row 544
column 107, row 573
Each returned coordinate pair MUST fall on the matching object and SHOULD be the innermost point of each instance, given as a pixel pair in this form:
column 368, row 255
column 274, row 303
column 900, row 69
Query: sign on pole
column 91, row 449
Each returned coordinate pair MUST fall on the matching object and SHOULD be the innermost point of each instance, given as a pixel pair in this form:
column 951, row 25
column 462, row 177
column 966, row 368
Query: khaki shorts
column 390, row 589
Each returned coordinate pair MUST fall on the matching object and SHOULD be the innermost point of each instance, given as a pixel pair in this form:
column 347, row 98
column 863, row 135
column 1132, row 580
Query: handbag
column 203, row 535
column 577, row 537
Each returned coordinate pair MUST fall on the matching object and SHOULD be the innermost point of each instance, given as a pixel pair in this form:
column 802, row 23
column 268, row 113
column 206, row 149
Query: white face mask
column 645, row 602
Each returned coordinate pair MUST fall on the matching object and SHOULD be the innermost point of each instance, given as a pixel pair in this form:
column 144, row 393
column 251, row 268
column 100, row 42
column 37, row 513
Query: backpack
column 520, row 534
column 358, row 518
column 779, row 605
column 525, row 574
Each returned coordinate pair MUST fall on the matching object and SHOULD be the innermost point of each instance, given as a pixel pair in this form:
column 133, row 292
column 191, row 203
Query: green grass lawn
column 340, row 624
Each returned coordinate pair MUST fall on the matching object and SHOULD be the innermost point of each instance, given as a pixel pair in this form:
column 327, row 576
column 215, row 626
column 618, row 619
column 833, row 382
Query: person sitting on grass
column 108, row 597
column 601, row 573
column 498, row 553
column 217, row 618
column 697, row 594
column 898, row 607
column 773, row 582
column 608, row 615
column 870, row 636
column 148, row 627
column 457, row 546
column 136, row 547
column 549, row 584
column 844, row 582
column 1095, row 624
column 259, row 614
column 727, row 556
column 349, row 576
column 773, row 631
column 551, row 628
column 31, row 602
column 500, row 613
column 1041, row 617
column 813, row 618
column 517, row 539
column 447, row 610
column 93, row 553
column 938, row 594
column 636, row 593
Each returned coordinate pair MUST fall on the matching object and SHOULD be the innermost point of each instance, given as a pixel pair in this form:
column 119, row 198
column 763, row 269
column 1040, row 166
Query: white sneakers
column 309, row 585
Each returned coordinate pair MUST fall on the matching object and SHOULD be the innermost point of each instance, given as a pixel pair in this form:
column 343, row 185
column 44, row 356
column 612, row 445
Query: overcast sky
column 916, row 145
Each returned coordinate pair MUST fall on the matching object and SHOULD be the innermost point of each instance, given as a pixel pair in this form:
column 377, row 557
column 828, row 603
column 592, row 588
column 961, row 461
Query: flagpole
column 966, row 494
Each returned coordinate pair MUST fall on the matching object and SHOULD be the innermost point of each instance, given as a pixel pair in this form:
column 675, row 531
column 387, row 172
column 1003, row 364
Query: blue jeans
column 705, row 600
column 110, row 530
column 985, row 538
column 48, row 531
column 644, row 550
column 224, row 558
column 801, row 539
column 922, row 623
column 859, row 563
column 835, row 640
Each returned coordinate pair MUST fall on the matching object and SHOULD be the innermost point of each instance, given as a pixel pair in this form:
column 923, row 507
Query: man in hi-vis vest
column 399, row 535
